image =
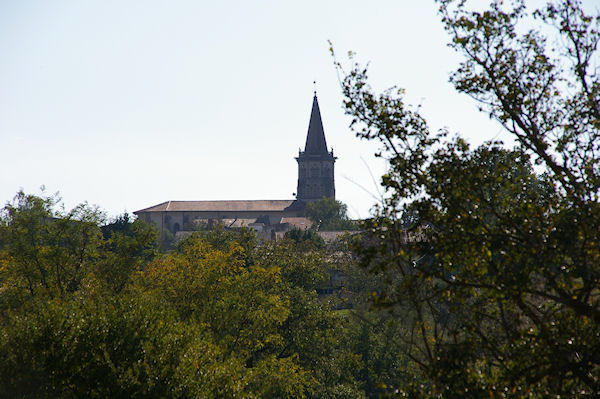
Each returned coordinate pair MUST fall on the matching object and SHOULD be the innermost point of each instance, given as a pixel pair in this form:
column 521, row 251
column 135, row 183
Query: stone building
column 315, row 181
column 315, row 163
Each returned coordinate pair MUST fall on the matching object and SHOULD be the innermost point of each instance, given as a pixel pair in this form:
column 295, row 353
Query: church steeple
column 315, row 139
column 315, row 163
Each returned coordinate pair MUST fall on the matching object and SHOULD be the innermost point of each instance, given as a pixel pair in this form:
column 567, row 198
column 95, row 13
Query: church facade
column 315, row 180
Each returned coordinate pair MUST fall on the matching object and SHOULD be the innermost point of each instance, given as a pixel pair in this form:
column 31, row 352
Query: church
column 268, row 217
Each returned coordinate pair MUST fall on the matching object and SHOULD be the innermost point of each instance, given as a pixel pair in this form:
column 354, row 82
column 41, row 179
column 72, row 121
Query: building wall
column 315, row 177
column 184, row 220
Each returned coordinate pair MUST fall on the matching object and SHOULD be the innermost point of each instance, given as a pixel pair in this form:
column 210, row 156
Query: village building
column 269, row 218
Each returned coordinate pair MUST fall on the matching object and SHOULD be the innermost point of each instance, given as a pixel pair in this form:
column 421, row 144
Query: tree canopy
column 93, row 309
column 329, row 214
column 494, row 250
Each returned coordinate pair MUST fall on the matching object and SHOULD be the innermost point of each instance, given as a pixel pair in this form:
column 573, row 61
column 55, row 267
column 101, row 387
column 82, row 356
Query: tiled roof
column 215, row 206
column 329, row 236
column 300, row 222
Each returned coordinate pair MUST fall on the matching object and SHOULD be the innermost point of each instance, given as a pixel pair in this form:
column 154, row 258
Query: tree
column 97, row 346
column 329, row 214
column 321, row 337
column 128, row 246
column 307, row 237
column 46, row 252
column 94, row 311
column 265, row 315
column 241, row 308
column 496, row 262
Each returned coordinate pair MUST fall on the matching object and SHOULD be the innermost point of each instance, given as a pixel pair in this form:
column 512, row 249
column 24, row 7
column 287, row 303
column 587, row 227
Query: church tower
column 315, row 163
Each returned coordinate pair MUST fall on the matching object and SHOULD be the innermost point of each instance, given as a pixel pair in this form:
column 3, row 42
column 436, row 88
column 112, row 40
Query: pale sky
column 126, row 104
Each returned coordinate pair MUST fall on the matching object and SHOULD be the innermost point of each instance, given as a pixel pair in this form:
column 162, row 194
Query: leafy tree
column 496, row 265
column 321, row 337
column 217, row 316
column 329, row 214
column 307, row 237
column 242, row 308
column 128, row 246
column 100, row 347
column 166, row 240
column 45, row 252
column 221, row 238
column 265, row 315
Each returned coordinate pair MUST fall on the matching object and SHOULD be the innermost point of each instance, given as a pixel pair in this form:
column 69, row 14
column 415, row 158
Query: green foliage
column 46, row 252
column 98, row 348
column 493, row 267
column 329, row 214
column 265, row 315
column 218, row 316
column 238, row 304
column 306, row 237
column 128, row 246
column 222, row 239
column 166, row 240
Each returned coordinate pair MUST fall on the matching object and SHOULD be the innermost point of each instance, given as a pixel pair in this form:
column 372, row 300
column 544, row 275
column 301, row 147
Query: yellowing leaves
column 241, row 305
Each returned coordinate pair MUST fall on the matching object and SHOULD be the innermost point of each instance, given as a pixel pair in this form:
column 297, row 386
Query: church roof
column 215, row 206
column 315, row 139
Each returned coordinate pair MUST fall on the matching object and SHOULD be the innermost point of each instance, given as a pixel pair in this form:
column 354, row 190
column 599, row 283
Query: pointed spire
column 315, row 139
